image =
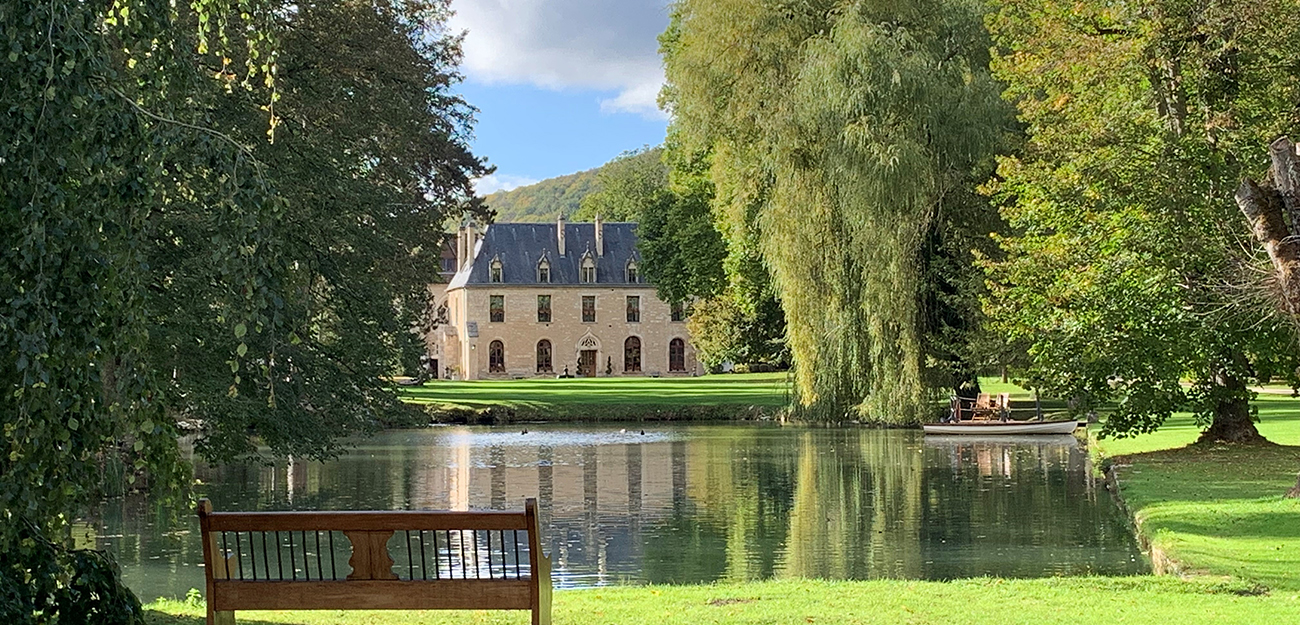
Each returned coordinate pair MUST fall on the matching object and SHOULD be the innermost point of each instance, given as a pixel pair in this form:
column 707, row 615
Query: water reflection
column 697, row 504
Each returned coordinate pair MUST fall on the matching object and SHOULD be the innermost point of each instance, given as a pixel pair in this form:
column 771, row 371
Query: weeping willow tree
column 844, row 137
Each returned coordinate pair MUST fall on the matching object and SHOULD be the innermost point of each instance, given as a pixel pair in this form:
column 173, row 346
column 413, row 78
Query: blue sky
column 562, row 85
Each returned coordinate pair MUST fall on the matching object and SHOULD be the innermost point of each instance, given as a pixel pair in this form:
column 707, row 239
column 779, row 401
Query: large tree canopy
column 215, row 211
column 369, row 160
column 1130, row 269
column 839, row 130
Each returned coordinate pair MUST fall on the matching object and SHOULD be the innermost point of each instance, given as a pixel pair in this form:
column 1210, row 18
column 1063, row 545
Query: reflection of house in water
column 705, row 503
column 594, row 498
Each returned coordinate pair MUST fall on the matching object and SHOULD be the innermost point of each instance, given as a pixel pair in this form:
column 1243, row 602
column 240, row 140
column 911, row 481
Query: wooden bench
column 345, row 560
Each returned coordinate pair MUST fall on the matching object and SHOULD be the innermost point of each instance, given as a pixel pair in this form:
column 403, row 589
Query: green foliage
column 245, row 249
column 724, row 329
column 627, row 188
column 80, row 180
column 838, row 131
column 40, row 579
column 1126, row 273
column 369, row 160
column 669, row 193
column 683, row 251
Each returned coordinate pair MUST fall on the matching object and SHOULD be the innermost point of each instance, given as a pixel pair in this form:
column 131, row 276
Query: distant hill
column 544, row 200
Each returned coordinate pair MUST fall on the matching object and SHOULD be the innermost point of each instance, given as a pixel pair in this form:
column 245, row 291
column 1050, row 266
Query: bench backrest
column 376, row 560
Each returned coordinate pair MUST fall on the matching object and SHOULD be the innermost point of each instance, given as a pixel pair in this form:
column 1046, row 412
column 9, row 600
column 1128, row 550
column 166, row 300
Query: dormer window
column 543, row 271
column 632, row 275
column 494, row 270
column 587, row 272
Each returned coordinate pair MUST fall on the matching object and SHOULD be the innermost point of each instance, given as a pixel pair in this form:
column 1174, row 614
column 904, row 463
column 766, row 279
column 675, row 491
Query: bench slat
column 468, row 594
column 364, row 521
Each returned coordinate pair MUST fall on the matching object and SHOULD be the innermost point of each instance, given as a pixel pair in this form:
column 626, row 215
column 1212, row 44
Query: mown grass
column 1146, row 599
column 1217, row 509
column 1279, row 421
column 753, row 389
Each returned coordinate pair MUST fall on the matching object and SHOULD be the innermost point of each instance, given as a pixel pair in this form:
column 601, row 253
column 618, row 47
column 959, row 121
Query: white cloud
column 642, row 99
column 492, row 183
column 608, row 45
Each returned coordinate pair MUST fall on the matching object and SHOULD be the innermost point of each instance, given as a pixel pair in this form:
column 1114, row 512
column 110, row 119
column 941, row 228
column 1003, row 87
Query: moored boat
column 986, row 428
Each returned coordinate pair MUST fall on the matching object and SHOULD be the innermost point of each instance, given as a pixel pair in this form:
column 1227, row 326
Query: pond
column 693, row 503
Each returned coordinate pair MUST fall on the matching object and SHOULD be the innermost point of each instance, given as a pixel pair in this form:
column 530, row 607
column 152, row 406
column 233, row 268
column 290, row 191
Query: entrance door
column 587, row 363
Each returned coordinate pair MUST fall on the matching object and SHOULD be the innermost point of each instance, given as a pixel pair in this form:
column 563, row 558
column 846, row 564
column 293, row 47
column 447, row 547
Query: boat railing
column 993, row 407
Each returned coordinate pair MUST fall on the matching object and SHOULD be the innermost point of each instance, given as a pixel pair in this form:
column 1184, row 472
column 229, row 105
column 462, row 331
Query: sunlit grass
column 754, row 389
column 1068, row 601
column 1279, row 421
column 1218, row 509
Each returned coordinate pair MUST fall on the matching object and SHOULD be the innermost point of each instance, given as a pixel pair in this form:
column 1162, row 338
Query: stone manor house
column 537, row 299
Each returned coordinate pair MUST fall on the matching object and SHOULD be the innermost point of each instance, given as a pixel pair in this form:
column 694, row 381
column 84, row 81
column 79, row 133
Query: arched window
column 496, row 357
column 494, row 270
column 587, row 273
column 632, row 355
column 632, row 275
column 677, row 355
column 544, row 356
column 543, row 271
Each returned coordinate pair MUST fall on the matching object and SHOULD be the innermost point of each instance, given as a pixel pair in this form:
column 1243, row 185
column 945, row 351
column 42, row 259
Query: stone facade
column 524, row 296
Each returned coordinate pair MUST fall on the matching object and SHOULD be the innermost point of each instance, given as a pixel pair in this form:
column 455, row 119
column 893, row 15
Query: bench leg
column 542, row 613
column 221, row 618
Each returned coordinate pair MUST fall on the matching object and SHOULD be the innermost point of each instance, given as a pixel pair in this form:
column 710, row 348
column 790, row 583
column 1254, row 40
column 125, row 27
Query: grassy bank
column 1070, row 601
column 1217, row 510
column 711, row 397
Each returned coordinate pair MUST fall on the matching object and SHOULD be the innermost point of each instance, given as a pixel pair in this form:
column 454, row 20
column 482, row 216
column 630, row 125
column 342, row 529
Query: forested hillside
column 544, row 200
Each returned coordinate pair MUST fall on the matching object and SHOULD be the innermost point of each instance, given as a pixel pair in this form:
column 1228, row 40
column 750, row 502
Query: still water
column 688, row 504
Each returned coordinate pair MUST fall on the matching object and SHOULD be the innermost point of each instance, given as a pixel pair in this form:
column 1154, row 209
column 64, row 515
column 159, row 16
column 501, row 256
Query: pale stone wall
column 521, row 331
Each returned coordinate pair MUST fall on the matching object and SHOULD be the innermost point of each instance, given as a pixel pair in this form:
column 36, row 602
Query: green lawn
column 752, row 389
column 1279, row 421
column 1218, row 510
column 1069, row 601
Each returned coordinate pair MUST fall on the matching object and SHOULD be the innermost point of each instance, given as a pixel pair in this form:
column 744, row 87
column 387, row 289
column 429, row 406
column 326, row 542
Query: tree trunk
column 1232, row 421
column 1267, row 209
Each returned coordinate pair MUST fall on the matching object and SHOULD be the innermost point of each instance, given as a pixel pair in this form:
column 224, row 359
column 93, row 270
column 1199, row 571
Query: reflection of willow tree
column 370, row 479
column 1027, row 504
column 856, row 509
column 743, row 481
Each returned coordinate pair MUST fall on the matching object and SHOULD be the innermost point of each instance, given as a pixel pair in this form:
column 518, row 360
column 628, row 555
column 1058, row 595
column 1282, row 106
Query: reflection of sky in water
column 690, row 504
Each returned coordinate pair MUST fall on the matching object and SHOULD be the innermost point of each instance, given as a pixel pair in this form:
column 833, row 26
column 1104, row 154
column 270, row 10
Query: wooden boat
column 988, row 428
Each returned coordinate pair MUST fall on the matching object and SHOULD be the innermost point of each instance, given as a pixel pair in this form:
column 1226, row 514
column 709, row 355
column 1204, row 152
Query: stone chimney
column 461, row 253
column 559, row 233
column 471, row 238
column 600, row 237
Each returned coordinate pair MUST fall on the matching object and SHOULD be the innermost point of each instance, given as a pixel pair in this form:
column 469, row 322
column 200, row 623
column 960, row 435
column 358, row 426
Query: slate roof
column 521, row 245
